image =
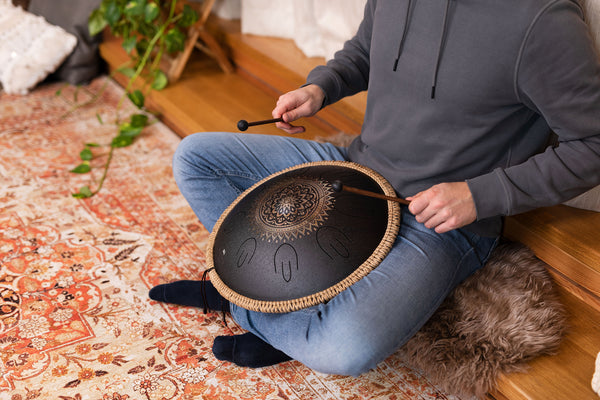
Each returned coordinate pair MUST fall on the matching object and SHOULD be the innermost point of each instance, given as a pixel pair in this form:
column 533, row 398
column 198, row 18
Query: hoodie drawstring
column 404, row 32
column 440, row 48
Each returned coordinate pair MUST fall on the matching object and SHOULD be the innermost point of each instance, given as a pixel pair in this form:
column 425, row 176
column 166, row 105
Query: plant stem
column 90, row 101
column 148, row 51
column 106, row 165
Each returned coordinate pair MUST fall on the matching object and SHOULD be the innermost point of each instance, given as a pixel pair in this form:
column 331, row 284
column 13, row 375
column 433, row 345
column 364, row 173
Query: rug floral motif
column 75, row 319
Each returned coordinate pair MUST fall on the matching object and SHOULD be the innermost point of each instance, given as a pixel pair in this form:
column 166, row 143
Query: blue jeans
column 367, row 322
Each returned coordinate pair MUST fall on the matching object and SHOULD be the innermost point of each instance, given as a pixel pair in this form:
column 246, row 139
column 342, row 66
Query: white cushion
column 30, row 48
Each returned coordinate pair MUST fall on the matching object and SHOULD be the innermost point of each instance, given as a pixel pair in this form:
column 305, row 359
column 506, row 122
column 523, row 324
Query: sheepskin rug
column 493, row 323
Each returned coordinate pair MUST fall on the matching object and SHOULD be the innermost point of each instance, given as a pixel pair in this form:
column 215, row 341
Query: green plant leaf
column 127, row 71
column 147, row 30
column 137, row 98
column 82, row 168
column 92, row 145
column 141, row 45
column 96, row 22
column 151, row 12
column 86, row 154
column 160, row 80
column 189, row 17
column 99, row 118
column 139, row 120
column 175, row 40
column 135, row 8
column 129, row 44
column 122, row 141
column 129, row 130
column 112, row 13
column 83, row 193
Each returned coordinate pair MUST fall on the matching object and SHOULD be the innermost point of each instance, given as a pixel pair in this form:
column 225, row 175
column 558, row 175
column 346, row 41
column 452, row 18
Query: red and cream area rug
column 75, row 319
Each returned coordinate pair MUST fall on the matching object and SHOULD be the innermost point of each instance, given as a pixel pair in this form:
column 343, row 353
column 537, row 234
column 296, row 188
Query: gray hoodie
column 469, row 90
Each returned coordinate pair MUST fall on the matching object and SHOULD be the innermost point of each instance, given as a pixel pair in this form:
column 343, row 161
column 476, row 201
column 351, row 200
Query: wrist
column 317, row 94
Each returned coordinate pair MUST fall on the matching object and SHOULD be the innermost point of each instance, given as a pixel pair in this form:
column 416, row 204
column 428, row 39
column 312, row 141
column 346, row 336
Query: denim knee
column 195, row 155
column 343, row 353
column 186, row 151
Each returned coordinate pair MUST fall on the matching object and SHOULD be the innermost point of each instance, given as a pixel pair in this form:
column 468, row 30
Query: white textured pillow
column 30, row 48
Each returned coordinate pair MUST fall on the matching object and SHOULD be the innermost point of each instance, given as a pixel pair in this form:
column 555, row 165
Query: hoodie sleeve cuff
column 489, row 195
column 327, row 83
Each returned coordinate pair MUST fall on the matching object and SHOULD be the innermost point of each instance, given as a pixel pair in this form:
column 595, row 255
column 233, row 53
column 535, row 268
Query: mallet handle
column 265, row 121
column 338, row 186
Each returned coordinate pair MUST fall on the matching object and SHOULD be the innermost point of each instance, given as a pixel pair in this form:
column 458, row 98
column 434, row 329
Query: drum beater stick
column 338, row 187
column 243, row 124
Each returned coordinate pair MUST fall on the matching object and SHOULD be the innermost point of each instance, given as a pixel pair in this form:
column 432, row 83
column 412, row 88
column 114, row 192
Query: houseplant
column 150, row 29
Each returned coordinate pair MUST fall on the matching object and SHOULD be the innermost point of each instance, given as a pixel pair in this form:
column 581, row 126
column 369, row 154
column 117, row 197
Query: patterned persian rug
column 75, row 319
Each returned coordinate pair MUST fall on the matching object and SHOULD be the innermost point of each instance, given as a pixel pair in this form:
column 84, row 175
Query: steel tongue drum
column 293, row 241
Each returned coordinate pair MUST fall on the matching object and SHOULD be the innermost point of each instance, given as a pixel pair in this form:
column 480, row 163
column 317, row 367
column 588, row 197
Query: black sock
column 189, row 293
column 247, row 350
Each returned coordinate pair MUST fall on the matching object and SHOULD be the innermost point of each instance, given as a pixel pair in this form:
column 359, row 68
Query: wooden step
column 568, row 240
column 204, row 98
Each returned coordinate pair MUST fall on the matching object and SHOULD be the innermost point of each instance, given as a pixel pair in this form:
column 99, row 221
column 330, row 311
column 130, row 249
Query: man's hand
column 303, row 102
column 445, row 206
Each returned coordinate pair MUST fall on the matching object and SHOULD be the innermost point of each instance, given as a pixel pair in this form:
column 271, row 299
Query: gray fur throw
column 504, row 315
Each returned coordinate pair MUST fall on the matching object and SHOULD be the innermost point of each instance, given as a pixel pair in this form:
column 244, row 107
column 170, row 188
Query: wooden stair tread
column 568, row 240
column 206, row 99
column 568, row 374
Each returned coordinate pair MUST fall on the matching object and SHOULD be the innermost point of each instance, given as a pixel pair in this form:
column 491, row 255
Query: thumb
column 414, row 196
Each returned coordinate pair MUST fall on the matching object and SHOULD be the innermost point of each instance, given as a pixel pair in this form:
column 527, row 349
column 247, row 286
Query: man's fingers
column 443, row 207
column 418, row 203
column 289, row 128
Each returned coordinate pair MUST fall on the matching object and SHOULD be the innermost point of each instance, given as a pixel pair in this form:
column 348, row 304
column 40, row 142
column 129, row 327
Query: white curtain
column 319, row 28
column 228, row 9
